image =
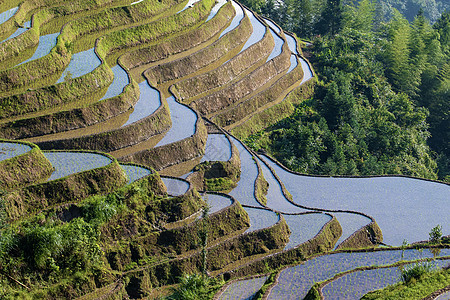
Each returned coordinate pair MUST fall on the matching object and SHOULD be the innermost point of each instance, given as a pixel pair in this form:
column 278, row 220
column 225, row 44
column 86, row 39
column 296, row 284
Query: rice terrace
column 128, row 165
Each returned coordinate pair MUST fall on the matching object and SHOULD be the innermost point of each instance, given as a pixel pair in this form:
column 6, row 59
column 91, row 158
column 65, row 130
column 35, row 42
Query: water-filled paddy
column 444, row 296
column 183, row 122
column 175, row 187
column 260, row 218
column 10, row 150
column 19, row 31
column 135, row 172
column 244, row 192
column 243, row 289
column 236, row 20
column 67, row 163
column 120, row 81
column 292, row 43
column 294, row 63
column 295, row 282
column 216, row 202
column 278, row 45
column 272, row 25
column 275, row 197
column 404, row 208
column 258, row 30
column 189, row 4
column 356, row 284
column 215, row 9
column 46, row 43
column 6, row 15
column 307, row 73
column 218, row 148
column 350, row 223
column 304, row 227
column 148, row 103
column 81, row 63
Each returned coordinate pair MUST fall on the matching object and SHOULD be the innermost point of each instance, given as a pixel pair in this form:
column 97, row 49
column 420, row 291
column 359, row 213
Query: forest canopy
column 382, row 102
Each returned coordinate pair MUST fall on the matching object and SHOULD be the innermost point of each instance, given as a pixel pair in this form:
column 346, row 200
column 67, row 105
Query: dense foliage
column 50, row 254
column 381, row 103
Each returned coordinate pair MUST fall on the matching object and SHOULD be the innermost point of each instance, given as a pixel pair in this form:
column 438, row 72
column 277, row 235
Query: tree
column 436, row 234
column 442, row 25
column 360, row 17
column 330, row 21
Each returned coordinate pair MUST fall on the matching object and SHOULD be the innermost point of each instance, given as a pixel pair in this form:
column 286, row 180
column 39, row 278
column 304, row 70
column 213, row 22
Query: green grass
column 414, row 288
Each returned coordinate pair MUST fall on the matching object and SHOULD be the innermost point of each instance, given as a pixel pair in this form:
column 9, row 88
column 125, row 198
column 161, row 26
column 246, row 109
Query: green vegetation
column 415, row 271
column 194, row 287
column 219, row 184
column 381, row 85
column 436, row 234
column 416, row 288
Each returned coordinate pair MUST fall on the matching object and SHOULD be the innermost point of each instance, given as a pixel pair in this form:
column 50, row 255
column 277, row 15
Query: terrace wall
column 71, row 188
column 229, row 170
column 323, row 241
column 229, row 44
column 368, row 236
column 222, row 223
column 227, row 252
column 180, row 43
column 251, row 106
column 173, row 153
column 22, row 170
column 275, row 113
column 122, row 137
column 235, row 93
column 251, row 57
column 73, row 119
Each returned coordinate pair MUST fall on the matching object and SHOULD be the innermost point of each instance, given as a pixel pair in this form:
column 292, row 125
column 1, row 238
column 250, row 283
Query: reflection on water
column 81, row 63
column 19, row 31
column 275, row 197
column 272, row 25
column 292, row 43
column 120, row 81
column 307, row 72
column 216, row 8
column 304, row 227
column 148, row 103
column 46, row 43
column 258, row 30
column 183, row 123
column 236, row 20
column 294, row 63
column 218, row 148
column 175, row 187
column 244, row 192
column 9, row 150
column 260, row 218
column 6, row 15
column 393, row 201
column 356, row 284
column 135, row 172
column 278, row 45
column 216, row 202
column 295, row 282
column 243, row 289
column 67, row 163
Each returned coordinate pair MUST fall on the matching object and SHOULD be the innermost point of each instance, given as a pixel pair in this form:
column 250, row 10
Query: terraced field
column 134, row 110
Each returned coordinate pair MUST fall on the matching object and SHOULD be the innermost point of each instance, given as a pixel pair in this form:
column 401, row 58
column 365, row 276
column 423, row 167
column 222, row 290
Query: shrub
column 191, row 287
column 415, row 271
